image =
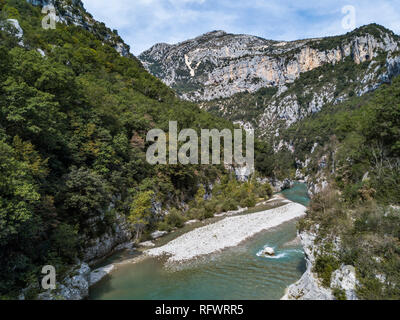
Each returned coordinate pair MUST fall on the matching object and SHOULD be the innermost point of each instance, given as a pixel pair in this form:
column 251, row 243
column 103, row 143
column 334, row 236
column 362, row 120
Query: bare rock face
column 309, row 286
column 13, row 27
column 345, row 279
column 147, row 244
column 118, row 234
column 74, row 287
column 218, row 64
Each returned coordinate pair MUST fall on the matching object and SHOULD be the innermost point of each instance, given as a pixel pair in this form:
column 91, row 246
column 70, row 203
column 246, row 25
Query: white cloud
column 142, row 23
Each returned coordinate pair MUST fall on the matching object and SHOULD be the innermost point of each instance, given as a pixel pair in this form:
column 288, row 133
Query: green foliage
column 339, row 294
column 199, row 214
column 174, row 219
column 140, row 211
column 244, row 106
column 265, row 159
column 369, row 240
column 324, row 267
column 248, row 202
column 72, row 139
column 229, row 205
column 228, row 195
column 18, row 193
column 199, row 197
column 356, row 137
column 265, row 191
column 86, row 193
column 10, row 12
column 65, row 241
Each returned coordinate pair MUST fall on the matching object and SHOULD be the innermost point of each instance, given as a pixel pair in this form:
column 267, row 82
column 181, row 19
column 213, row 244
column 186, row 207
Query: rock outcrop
column 76, row 283
column 73, row 12
column 73, row 287
column 310, row 287
column 13, row 27
column 269, row 251
column 278, row 186
column 117, row 234
column 158, row 234
column 100, row 273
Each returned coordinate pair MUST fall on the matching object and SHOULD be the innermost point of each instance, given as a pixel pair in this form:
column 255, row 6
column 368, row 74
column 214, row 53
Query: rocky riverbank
column 75, row 283
column 309, row 287
column 226, row 233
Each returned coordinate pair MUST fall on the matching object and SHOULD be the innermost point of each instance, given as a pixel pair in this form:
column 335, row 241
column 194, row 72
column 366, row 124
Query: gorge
column 239, row 272
column 77, row 192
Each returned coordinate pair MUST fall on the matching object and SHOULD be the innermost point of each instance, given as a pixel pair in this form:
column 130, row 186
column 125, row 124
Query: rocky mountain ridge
column 262, row 83
column 218, row 64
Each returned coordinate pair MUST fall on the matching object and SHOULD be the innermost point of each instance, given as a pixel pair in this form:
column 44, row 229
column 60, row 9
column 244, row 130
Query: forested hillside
column 351, row 152
column 74, row 113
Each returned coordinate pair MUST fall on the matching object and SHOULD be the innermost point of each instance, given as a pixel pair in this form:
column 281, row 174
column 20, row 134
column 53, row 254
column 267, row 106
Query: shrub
column 229, row 204
column 265, row 191
column 219, row 208
column 249, row 202
column 324, row 266
column 207, row 215
column 199, row 213
column 175, row 219
column 339, row 294
column 211, row 206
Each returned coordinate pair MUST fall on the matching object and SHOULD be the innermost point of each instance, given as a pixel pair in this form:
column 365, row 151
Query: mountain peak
column 218, row 64
column 214, row 33
column 373, row 27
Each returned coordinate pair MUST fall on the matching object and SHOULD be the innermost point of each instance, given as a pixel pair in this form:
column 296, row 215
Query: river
column 237, row 273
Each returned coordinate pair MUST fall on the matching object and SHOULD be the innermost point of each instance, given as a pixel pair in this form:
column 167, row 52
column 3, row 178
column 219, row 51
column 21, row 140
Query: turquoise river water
column 238, row 273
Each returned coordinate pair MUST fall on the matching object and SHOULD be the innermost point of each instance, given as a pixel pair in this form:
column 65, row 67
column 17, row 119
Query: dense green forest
column 73, row 123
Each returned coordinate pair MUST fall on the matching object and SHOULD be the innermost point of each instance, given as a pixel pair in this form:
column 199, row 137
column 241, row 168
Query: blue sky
column 143, row 23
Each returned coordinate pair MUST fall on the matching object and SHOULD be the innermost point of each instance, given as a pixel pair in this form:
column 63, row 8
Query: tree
column 4, row 63
column 65, row 241
column 18, row 193
column 85, row 193
column 140, row 211
column 199, row 197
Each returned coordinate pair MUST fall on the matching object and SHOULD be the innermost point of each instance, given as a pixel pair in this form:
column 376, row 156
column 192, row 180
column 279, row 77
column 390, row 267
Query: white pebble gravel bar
column 226, row 233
